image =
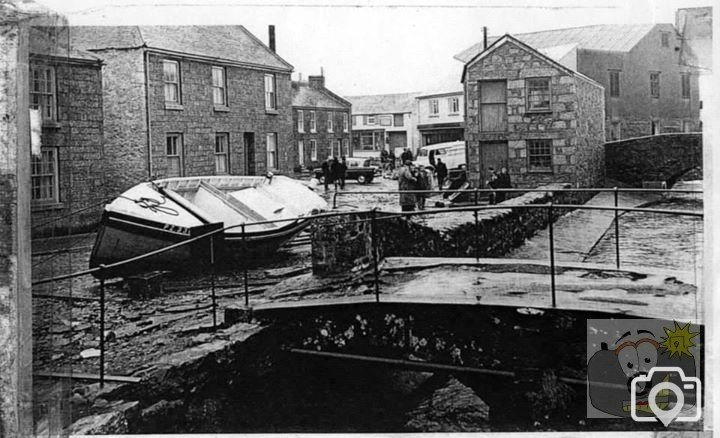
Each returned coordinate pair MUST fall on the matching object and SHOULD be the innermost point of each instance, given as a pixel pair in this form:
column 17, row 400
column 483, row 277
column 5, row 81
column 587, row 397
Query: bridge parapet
column 657, row 158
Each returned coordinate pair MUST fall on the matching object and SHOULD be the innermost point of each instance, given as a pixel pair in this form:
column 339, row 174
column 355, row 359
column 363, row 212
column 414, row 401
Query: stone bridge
column 657, row 158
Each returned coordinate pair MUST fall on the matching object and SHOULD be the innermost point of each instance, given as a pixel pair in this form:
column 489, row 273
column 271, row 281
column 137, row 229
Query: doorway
column 249, row 146
column 492, row 154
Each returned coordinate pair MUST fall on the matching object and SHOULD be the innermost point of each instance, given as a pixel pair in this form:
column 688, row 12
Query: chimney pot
column 484, row 37
column 317, row 82
column 271, row 37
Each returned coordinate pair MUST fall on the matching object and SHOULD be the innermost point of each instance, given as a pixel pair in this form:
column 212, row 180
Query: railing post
column 617, row 230
column 102, row 329
column 245, row 269
column 374, row 249
column 335, row 200
column 212, row 281
column 476, row 198
column 475, row 234
column 552, row 252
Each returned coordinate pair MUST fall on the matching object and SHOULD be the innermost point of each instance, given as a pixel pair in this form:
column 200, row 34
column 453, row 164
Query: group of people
column 498, row 181
column 412, row 178
column 334, row 172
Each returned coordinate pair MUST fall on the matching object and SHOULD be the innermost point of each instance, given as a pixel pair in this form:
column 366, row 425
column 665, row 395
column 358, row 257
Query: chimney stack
column 317, row 82
column 484, row 38
column 271, row 37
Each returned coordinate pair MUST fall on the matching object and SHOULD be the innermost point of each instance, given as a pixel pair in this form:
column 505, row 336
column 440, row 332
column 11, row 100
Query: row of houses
column 125, row 104
column 649, row 72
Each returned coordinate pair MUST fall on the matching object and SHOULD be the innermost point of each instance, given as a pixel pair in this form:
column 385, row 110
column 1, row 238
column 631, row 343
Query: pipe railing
column 374, row 219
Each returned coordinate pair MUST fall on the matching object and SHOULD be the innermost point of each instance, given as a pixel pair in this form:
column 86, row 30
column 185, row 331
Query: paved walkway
column 576, row 233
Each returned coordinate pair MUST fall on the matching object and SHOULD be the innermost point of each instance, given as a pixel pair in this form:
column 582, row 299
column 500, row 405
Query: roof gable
column 305, row 96
column 228, row 43
column 383, row 103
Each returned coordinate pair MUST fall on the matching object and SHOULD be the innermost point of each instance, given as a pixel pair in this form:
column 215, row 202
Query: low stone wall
column 657, row 158
column 343, row 244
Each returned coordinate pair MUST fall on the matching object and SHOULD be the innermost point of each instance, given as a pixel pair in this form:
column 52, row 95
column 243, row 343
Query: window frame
column 396, row 117
column 313, row 150
column 301, row 152
column 54, row 175
column 547, row 146
column 271, row 152
column 301, row 121
column 654, row 84
column 453, row 105
column 346, row 126
column 354, row 120
column 270, row 95
column 177, row 84
column 433, row 107
column 346, row 146
column 528, row 96
column 223, row 88
column 225, row 153
column 614, row 84
column 313, row 122
column 685, row 91
column 370, row 120
column 179, row 152
column 330, row 121
column 44, row 94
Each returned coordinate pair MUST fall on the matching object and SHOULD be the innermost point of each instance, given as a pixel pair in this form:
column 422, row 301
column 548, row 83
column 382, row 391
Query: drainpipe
column 146, row 55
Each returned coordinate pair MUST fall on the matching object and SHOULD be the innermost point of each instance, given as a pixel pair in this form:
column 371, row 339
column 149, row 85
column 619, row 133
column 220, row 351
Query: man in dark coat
column 327, row 172
column 441, row 170
column 503, row 182
column 407, row 181
column 336, row 172
column 406, row 155
column 343, row 171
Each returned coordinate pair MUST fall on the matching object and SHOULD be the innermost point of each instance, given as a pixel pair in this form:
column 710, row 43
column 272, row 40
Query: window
column 434, row 107
column 44, row 177
column 313, row 150
column 453, row 105
column 221, row 154
column 665, row 39
column 336, row 147
column 538, row 94
column 354, row 120
column 655, row 85
column 313, row 125
column 171, row 77
column 301, row 152
column 272, row 150
column 174, row 154
column 614, row 83
column 346, row 128
column 42, row 91
column 398, row 120
column 685, row 85
column 540, row 155
column 385, row 120
column 301, row 121
column 270, row 94
column 346, row 147
column 219, row 86
column 369, row 120
column 330, row 117
column 366, row 142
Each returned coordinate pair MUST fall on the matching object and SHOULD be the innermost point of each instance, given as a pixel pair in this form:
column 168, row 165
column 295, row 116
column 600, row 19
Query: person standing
column 423, row 183
column 335, row 170
column 503, row 182
column 406, row 155
column 441, row 170
column 406, row 181
column 343, row 171
column 493, row 184
column 326, row 171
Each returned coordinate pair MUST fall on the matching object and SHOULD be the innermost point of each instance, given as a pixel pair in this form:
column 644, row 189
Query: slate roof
column 229, row 43
column 383, row 103
column 606, row 37
column 304, row 96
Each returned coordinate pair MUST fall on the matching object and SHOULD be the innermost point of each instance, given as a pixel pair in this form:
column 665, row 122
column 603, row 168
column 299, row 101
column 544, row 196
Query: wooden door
column 249, row 145
column 492, row 154
column 493, row 106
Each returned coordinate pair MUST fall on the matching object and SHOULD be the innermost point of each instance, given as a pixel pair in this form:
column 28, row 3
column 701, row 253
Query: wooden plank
column 87, row 376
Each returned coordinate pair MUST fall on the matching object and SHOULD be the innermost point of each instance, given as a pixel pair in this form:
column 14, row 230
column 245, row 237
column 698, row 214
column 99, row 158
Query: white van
column 451, row 153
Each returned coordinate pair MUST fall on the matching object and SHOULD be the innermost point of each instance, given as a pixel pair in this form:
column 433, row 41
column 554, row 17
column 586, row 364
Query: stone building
column 190, row 100
column 648, row 89
column 383, row 121
column 67, row 172
column 533, row 115
column 321, row 122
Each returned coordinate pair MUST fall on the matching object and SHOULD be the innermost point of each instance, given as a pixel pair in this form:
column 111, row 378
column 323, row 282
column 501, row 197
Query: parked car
column 359, row 169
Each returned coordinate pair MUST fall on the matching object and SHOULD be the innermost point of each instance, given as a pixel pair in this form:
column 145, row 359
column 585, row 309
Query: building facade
column 441, row 117
column 648, row 90
column 383, row 122
column 68, row 167
column 321, row 121
column 541, row 120
column 191, row 100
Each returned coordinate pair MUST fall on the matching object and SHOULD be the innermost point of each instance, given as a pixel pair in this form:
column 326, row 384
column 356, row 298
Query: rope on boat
column 154, row 205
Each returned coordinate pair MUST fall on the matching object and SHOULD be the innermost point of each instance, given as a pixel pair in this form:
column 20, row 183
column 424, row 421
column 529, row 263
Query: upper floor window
column 398, row 120
column 538, row 94
column 219, row 86
column 685, row 85
column 665, row 39
column 346, row 128
column 354, row 120
column 655, row 84
column 614, row 83
column 434, row 107
column 369, row 120
column 453, row 105
column 171, row 78
column 301, row 121
column 44, row 177
column 313, row 124
column 386, row 120
column 221, row 154
column 330, row 116
column 42, row 91
column 270, row 93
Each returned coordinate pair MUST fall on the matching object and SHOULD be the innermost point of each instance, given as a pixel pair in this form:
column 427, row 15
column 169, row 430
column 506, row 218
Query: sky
column 375, row 47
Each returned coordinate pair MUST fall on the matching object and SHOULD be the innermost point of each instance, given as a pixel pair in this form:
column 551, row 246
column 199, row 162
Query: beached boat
column 154, row 215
